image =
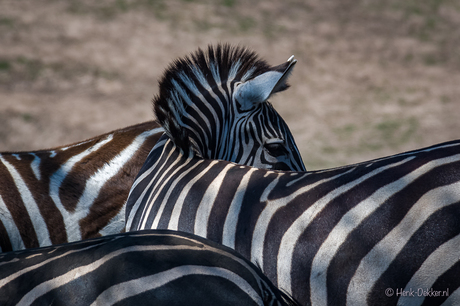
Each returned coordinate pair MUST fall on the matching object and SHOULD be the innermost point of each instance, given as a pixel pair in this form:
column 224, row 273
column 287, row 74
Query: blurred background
column 373, row 78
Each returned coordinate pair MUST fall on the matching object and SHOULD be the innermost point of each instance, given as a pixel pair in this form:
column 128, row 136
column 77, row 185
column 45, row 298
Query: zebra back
column 71, row 192
column 382, row 232
column 137, row 268
column 215, row 104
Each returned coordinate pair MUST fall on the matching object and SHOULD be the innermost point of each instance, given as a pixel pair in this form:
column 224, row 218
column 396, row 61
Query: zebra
column 381, row 232
column 72, row 192
column 215, row 104
column 215, row 99
column 136, row 268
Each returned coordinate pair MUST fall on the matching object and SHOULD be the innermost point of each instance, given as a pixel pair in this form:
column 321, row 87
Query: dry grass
column 374, row 77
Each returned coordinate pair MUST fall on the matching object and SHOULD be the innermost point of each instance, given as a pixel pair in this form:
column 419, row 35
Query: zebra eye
column 275, row 149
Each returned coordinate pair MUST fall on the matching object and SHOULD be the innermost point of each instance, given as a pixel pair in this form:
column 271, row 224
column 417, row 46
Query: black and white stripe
column 138, row 268
column 71, row 192
column 335, row 237
column 214, row 103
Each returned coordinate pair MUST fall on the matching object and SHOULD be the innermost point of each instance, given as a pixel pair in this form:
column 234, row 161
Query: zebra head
column 214, row 103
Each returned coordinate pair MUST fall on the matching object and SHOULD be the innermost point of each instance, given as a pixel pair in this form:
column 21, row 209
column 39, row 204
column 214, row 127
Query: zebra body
column 72, row 192
column 345, row 236
column 137, row 268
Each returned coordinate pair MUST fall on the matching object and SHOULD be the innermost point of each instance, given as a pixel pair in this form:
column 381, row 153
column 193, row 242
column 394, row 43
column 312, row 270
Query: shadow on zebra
column 138, row 268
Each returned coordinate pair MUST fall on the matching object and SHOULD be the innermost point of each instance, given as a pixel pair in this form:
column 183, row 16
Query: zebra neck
column 166, row 152
column 207, row 138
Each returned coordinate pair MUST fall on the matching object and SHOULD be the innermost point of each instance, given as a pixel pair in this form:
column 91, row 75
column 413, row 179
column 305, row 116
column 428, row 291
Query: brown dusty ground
column 374, row 77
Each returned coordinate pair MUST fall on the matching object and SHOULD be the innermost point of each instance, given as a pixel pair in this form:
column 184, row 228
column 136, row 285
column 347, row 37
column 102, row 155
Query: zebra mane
column 187, row 78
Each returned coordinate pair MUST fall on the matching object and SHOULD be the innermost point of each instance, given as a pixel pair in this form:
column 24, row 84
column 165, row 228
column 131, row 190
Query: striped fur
column 71, row 192
column 215, row 104
column 138, row 268
column 356, row 235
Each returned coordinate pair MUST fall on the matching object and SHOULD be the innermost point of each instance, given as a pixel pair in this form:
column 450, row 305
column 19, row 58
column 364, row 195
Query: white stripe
column 192, row 86
column 99, row 179
column 262, row 284
column 441, row 260
column 248, row 74
column 154, row 195
column 233, row 71
column 220, row 134
column 410, row 153
column 215, row 72
column 289, row 240
column 175, row 215
column 260, row 229
column 140, row 198
column 380, row 257
column 56, row 282
column 453, row 299
column 59, row 281
column 180, row 94
column 116, row 224
column 10, row 226
column 21, row 272
column 139, row 179
column 134, row 287
column 35, row 165
column 93, row 184
column 292, row 182
column 231, row 220
column 28, row 200
column 200, row 77
column 142, row 176
column 240, row 130
column 272, row 206
column 71, row 225
column 206, row 204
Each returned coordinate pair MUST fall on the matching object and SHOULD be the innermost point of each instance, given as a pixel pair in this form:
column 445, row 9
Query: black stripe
column 17, row 209
column 154, row 156
column 195, row 195
column 440, row 227
column 228, row 190
column 379, row 223
column 445, row 285
column 5, row 243
column 250, row 211
column 176, row 191
column 191, row 290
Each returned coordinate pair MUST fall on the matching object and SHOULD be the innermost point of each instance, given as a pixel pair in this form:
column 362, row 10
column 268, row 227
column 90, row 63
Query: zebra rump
column 137, row 268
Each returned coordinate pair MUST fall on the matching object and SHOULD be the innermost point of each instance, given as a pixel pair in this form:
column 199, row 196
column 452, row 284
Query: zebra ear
column 259, row 89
